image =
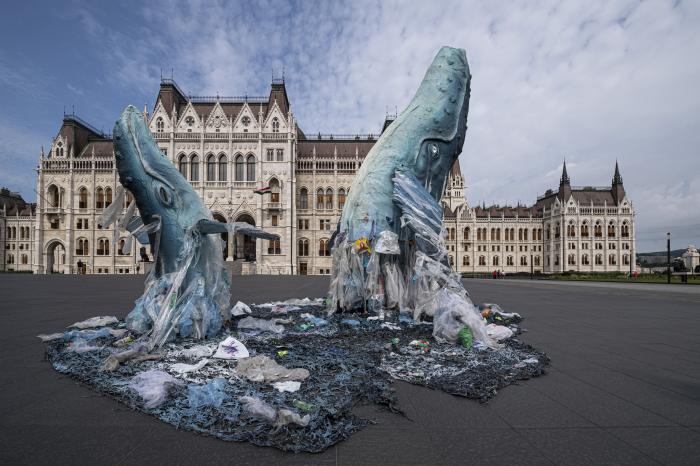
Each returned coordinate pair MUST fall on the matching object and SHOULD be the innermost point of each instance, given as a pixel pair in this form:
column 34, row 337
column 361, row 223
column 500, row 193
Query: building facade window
column 223, row 167
column 81, row 247
column 303, row 199
column 275, row 125
column 103, row 247
column 182, row 165
column 280, row 155
column 273, row 247
column 250, row 167
column 341, row 198
column 194, row 168
column 240, row 168
column 211, row 167
column 323, row 249
column 303, row 247
column 82, row 198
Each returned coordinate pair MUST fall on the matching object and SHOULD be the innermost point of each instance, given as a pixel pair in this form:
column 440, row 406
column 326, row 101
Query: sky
column 590, row 81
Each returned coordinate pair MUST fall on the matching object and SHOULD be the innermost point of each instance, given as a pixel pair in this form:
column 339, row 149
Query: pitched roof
column 14, row 204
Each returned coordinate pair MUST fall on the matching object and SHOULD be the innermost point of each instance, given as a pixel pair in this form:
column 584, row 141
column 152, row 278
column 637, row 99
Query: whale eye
column 433, row 150
column 164, row 196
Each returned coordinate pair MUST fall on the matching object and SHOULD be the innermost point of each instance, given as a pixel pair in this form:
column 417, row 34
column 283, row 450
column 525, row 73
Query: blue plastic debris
column 209, row 394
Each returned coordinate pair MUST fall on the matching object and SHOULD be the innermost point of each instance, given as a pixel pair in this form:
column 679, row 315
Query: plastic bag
column 287, row 386
column 252, row 323
column 498, row 332
column 387, row 243
column 209, row 394
column 257, row 408
column 264, row 369
column 452, row 313
column 182, row 368
column 231, row 348
column 240, row 309
column 93, row 322
column 154, row 386
column 285, row 416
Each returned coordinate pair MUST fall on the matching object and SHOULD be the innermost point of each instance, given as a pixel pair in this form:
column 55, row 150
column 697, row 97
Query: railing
column 274, row 135
column 274, row 205
column 195, row 184
column 161, row 135
column 56, row 165
column 244, row 184
column 232, row 99
column 245, row 135
column 188, row 136
column 222, row 136
column 215, row 184
column 54, row 210
column 332, row 137
column 82, row 165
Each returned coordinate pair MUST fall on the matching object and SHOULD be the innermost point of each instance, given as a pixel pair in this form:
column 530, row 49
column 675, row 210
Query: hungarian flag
column 263, row 190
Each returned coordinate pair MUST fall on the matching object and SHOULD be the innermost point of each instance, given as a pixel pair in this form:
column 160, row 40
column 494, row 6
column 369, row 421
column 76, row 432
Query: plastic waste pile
column 287, row 374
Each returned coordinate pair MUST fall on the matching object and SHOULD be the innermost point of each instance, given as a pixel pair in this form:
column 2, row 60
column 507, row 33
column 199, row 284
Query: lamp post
column 668, row 257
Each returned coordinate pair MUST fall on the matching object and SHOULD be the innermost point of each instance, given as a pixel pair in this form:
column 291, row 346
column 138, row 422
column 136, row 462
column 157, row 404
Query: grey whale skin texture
column 435, row 118
column 188, row 271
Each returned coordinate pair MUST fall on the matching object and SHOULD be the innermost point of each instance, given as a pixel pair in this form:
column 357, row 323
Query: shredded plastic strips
column 296, row 390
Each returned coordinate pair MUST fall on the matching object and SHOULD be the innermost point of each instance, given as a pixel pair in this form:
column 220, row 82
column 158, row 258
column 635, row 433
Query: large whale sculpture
column 187, row 292
column 388, row 248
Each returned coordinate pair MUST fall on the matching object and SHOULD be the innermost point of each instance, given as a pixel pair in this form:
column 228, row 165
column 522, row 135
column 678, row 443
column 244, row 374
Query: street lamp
column 668, row 257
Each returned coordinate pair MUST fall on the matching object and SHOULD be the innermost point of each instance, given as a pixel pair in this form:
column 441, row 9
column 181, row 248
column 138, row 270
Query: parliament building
column 228, row 147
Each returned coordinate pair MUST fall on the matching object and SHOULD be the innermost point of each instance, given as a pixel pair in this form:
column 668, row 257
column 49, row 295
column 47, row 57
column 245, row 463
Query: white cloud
column 590, row 81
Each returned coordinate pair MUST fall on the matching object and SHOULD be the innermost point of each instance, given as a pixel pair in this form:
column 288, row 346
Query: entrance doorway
column 55, row 257
column 303, row 268
column 245, row 245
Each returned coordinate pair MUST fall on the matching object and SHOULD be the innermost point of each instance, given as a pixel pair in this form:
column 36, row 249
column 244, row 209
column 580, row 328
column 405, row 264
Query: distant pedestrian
column 495, row 274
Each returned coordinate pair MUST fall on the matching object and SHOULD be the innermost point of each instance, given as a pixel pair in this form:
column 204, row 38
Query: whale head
column 428, row 136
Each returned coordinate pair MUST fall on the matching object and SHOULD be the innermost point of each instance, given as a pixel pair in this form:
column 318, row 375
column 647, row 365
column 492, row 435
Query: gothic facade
column 231, row 147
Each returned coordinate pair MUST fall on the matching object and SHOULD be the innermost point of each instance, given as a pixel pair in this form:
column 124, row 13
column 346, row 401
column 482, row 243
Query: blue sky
column 591, row 81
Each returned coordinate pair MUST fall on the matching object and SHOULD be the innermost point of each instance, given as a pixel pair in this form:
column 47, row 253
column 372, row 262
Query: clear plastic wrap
column 251, row 323
column 154, row 387
column 208, row 394
column 257, row 408
column 264, row 369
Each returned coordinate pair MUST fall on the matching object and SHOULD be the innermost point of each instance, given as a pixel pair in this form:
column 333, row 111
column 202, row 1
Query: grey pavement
column 623, row 388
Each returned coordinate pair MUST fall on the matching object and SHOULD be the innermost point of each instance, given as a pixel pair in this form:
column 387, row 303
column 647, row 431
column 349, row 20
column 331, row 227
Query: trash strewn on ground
column 291, row 379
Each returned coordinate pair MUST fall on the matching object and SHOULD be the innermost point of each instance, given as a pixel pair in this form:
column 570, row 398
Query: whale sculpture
column 187, row 291
column 388, row 249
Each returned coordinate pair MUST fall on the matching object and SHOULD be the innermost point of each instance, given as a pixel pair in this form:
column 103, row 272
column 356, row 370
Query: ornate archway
column 244, row 245
column 55, row 257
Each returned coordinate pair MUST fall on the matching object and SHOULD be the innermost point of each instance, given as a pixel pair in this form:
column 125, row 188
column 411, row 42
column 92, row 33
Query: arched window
column 303, row 249
column 537, row 260
column 482, row 260
column 303, row 198
column 495, row 260
column 120, row 249
column 598, row 229
column 108, row 196
column 329, row 198
column 466, row 234
column 250, row 167
column 611, row 229
column 240, row 168
column 625, row 259
column 323, row 249
column 557, row 231
column 160, row 125
column 319, row 198
column 571, row 259
column 274, row 190
column 223, row 167
column 525, row 234
column 99, row 198
column 523, row 260
column 194, row 168
column 584, row 260
column 598, row 259
column 612, row 260
column 82, row 198
column 341, row 198
column 81, row 247
column 54, row 198
column 182, row 165
column 534, row 234
column 10, row 259
column 103, row 247
column 211, row 168
column 509, row 260
column 478, row 234
column 275, row 125
column 14, row 232
column 539, row 234
column 465, row 260
column 25, row 259
column 493, row 234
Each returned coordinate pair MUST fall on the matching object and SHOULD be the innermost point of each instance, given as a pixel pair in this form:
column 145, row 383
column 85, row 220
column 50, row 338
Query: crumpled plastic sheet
column 154, row 386
column 348, row 365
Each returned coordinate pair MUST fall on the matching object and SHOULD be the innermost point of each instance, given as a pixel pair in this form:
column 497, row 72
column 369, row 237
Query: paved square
column 623, row 387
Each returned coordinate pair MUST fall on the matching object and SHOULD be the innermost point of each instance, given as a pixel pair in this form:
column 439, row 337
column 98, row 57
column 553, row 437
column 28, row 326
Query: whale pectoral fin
column 209, row 227
column 419, row 211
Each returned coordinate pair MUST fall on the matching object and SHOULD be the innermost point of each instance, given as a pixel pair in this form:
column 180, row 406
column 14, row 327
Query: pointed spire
column 564, row 176
column 617, row 179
